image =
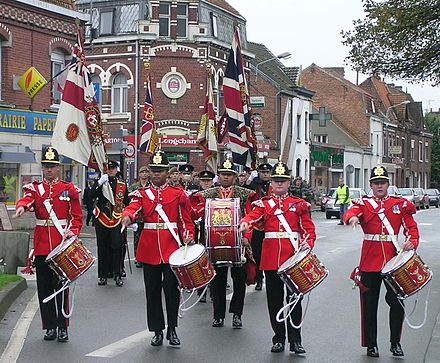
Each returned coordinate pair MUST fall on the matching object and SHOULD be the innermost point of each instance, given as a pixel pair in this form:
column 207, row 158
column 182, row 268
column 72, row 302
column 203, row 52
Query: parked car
column 332, row 207
column 326, row 197
column 424, row 198
column 434, row 197
column 409, row 194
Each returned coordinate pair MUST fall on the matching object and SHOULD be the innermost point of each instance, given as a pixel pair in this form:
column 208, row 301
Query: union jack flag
column 149, row 138
column 236, row 99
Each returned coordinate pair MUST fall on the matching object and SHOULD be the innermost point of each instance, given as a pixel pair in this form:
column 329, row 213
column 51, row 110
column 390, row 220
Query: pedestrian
column 381, row 216
column 58, row 216
column 277, row 248
column 301, row 189
column 108, row 225
column 228, row 189
column 261, row 186
column 343, row 198
column 166, row 213
column 143, row 182
column 89, row 201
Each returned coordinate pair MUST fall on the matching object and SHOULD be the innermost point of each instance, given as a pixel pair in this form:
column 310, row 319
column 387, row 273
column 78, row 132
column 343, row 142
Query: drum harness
column 294, row 298
column 163, row 215
column 393, row 237
column 56, row 222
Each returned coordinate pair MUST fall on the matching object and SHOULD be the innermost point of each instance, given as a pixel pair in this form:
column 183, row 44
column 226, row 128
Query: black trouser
column 275, row 301
column 369, row 305
column 238, row 275
column 109, row 249
column 90, row 216
column 256, row 244
column 47, row 283
column 153, row 290
column 137, row 235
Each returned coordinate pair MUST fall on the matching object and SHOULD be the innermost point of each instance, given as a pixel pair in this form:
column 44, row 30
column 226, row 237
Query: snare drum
column 223, row 241
column 191, row 266
column 302, row 272
column 406, row 273
column 70, row 259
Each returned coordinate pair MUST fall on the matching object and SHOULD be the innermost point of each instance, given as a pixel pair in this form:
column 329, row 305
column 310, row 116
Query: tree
column 432, row 121
column 397, row 38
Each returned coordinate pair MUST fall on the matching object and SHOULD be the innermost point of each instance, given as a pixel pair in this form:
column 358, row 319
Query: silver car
column 332, row 208
column 423, row 197
column 409, row 194
column 434, row 197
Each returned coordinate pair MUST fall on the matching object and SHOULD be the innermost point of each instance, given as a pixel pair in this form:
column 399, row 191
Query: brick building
column 407, row 144
column 40, row 34
column 182, row 41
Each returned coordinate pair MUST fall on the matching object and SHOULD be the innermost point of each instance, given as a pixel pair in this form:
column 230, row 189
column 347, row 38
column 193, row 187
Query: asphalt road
column 109, row 323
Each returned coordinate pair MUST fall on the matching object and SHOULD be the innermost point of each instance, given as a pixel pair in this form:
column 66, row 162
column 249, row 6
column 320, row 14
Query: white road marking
column 320, row 237
column 425, row 224
column 18, row 336
column 335, row 250
column 121, row 346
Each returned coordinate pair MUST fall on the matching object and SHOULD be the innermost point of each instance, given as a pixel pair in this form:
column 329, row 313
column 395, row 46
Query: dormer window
column 106, row 22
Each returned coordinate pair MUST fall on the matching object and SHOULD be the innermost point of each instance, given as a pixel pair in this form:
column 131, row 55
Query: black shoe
column 123, row 273
column 51, row 334
column 62, row 335
column 396, row 349
column 259, row 286
column 236, row 321
column 172, row 336
column 277, row 348
column 340, row 223
column 217, row 323
column 118, row 281
column 157, row 339
column 373, row 352
column 297, row 348
column 138, row 264
column 102, row 281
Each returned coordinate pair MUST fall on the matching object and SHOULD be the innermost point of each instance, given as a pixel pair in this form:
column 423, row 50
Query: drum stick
column 122, row 228
column 186, row 245
column 401, row 250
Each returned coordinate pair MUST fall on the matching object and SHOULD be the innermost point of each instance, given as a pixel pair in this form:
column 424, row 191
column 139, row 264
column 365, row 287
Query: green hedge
column 6, row 279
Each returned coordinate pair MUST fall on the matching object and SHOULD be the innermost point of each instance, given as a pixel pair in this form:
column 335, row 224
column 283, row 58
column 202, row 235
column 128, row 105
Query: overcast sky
column 310, row 30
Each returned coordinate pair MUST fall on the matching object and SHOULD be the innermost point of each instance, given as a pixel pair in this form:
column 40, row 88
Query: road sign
column 129, row 151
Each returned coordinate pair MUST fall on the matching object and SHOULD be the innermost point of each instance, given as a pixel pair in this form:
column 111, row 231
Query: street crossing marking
column 121, row 346
column 18, row 336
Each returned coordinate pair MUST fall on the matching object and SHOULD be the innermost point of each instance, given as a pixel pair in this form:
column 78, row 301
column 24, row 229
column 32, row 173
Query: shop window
column 106, row 22
column 119, row 94
column 9, row 183
column 164, row 19
column 182, row 20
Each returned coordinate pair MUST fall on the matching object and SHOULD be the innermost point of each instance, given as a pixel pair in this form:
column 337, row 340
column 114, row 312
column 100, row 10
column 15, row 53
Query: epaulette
column 258, row 203
column 79, row 190
column 30, row 186
column 135, row 193
column 358, row 201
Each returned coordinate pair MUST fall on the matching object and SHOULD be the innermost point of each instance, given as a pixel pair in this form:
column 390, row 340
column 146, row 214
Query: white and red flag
column 149, row 138
column 236, row 98
column 207, row 135
column 78, row 132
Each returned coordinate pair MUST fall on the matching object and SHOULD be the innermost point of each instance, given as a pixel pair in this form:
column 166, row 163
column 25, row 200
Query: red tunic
column 399, row 212
column 64, row 200
column 156, row 245
column 276, row 251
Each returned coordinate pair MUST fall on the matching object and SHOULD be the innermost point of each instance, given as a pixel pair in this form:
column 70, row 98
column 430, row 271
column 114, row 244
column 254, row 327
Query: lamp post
column 285, row 55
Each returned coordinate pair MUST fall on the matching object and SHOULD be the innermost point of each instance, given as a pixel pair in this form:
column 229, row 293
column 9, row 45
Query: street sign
column 395, row 150
column 129, row 151
column 257, row 101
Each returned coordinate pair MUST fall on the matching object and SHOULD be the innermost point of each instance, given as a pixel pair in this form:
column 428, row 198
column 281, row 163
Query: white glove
column 134, row 227
column 103, row 179
column 253, row 175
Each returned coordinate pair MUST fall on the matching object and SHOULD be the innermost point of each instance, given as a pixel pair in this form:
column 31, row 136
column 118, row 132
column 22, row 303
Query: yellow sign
column 31, row 82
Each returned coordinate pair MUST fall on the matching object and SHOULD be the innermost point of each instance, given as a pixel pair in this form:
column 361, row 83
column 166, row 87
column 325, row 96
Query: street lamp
column 393, row 106
column 285, row 55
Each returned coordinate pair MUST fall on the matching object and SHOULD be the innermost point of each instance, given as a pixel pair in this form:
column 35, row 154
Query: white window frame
column 120, row 89
column 182, row 17
column 323, row 139
column 306, row 127
column 165, row 16
column 426, row 152
column 298, row 126
column 420, row 151
column 412, row 149
column 57, row 63
column 105, row 12
column 214, row 25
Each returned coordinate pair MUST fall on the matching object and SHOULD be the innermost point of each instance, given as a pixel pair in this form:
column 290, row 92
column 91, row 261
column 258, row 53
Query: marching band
column 256, row 228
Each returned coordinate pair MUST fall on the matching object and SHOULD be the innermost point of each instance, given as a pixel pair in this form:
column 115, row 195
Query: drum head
column 60, row 248
column 398, row 261
column 180, row 257
column 292, row 261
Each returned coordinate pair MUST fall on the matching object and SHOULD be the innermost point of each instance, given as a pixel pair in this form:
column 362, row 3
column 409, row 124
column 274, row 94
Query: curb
column 431, row 355
column 8, row 295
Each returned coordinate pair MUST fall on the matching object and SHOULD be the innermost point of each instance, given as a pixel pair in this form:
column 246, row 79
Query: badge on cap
column 280, row 169
column 157, row 159
column 379, row 171
column 227, row 164
column 50, row 155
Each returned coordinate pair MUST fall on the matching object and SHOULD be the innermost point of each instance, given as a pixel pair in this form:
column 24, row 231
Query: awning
column 16, row 154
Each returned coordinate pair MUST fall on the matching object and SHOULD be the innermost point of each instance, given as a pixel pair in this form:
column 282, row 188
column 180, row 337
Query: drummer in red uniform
column 58, row 216
column 277, row 248
column 166, row 212
column 381, row 217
